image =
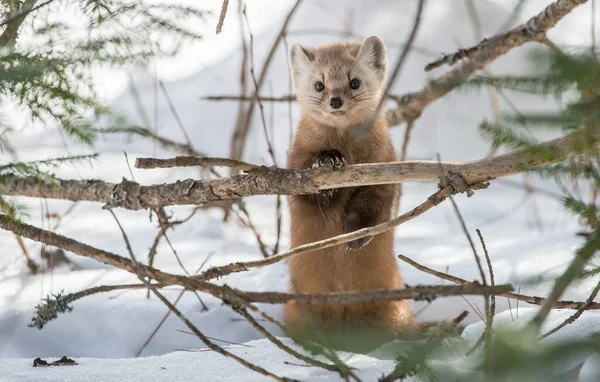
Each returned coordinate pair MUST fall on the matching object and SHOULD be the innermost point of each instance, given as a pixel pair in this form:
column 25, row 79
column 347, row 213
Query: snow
column 206, row 365
column 192, row 365
column 526, row 239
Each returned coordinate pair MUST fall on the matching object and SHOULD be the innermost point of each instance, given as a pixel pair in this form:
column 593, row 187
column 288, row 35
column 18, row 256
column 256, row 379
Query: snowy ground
column 208, row 366
column 527, row 238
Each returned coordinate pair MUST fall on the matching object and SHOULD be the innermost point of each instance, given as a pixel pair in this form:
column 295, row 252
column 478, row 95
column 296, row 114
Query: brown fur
column 352, row 266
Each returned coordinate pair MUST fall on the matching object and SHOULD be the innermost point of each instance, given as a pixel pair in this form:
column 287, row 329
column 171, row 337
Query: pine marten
column 338, row 88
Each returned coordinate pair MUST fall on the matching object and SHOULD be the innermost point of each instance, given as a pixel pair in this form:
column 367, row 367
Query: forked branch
column 412, row 105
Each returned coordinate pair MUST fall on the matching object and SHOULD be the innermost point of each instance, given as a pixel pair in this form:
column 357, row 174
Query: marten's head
column 340, row 84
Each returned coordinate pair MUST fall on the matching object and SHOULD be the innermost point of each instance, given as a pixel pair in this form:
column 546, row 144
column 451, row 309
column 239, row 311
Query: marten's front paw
column 357, row 244
column 329, row 158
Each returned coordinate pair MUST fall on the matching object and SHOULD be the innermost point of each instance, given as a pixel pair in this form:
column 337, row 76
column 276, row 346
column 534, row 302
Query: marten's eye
column 354, row 84
column 319, row 86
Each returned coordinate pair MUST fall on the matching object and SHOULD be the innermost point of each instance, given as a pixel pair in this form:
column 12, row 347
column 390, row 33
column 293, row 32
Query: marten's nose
column 336, row 102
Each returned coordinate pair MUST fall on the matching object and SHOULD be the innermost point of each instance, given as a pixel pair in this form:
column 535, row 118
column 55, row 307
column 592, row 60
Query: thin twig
column 278, row 224
column 244, row 313
column 478, row 32
column 140, row 273
column 403, row 153
column 432, row 201
column 236, row 296
column 514, row 15
column 192, row 161
column 486, row 337
column 239, row 135
column 266, row 316
column 481, row 273
column 144, row 132
column 204, row 307
column 290, row 86
column 212, row 346
column 471, row 244
column 248, row 223
column 108, row 288
column 241, row 132
column 160, row 324
column 573, row 270
column 257, row 89
column 575, row 315
column 397, row 66
column 534, row 300
column 492, row 307
column 163, row 88
column 222, row 16
column 31, row 264
column 169, row 311
column 217, row 339
column 163, row 222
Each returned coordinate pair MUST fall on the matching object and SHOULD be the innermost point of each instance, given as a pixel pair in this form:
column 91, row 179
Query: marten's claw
column 357, row 244
column 329, row 158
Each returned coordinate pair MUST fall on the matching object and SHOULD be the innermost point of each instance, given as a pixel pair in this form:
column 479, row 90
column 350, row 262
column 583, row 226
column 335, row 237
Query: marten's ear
column 372, row 53
column 300, row 58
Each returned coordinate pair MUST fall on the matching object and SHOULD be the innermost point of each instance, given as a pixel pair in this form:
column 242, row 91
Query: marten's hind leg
column 366, row 207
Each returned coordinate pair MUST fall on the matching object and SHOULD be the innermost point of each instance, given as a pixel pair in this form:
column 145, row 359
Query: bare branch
column 399, row 63
column 163, row 88
column 108, row 288
column 160, row 323
column 235, row 296
column 241, row 132
column 257, row 86
column 492, row 309
column 31, row 264
column 281, row 345
column 272, row 181
column 534, row 30
column 432, row 201
column 488, row 50
column 534, row 300
column 246, row 220
column 203, row 338
column 574, row 269
column 192, row 161
column 144, row 132
column 575, row 315
column 222, row 16
column 355, row 297
column 286, row 98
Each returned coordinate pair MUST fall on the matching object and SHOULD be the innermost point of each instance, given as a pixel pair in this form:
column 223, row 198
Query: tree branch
column 13, row 23
column 534, row 300
column 192, row 161
column 235, row 296
column 355, row 297
column 413, row 104
column 241, row 132
column 222, row 16
column 277, row 181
